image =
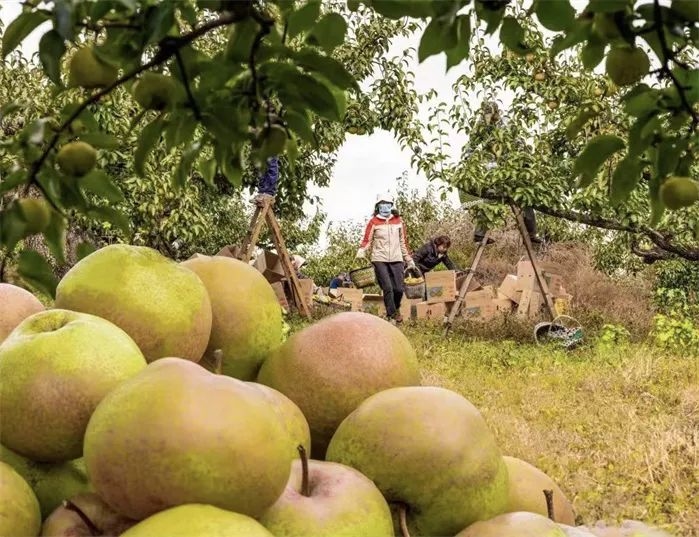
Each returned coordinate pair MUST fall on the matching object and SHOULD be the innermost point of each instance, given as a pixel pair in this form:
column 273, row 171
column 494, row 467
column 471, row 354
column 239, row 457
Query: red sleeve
column 368, row 232
column 405, row 237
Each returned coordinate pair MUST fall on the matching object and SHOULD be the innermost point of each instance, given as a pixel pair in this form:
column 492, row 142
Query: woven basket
column 416, row 290
column 363, row 277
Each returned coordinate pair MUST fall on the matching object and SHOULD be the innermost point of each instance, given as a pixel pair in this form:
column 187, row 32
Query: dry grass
column 618, row 428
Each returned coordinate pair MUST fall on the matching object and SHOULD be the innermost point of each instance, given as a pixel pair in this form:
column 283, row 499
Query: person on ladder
column 267, row 182
column 385, row 235
column 491, row 120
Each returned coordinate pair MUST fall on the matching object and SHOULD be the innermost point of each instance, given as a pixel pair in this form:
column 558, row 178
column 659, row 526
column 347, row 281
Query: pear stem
column 305, row 488
column 549, row 503
column 218, row 361
column 94, row 530
column 403, row 514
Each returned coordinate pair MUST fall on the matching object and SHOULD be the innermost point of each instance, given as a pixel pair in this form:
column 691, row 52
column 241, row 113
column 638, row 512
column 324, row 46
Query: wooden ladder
column 540, row 280
column 264, row 213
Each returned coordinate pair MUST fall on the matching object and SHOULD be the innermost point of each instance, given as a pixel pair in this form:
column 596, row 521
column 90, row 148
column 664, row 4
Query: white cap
column 385, row 196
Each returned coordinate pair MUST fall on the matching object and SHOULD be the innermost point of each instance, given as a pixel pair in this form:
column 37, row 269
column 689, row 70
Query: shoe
column 398, row 318
column 480, row 239
column 535, row 239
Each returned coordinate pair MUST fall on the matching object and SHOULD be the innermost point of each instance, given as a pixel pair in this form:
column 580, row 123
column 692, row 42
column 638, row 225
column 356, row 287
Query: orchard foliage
column 211, row 88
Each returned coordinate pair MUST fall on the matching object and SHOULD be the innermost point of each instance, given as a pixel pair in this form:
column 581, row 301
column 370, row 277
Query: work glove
column 361, row 254
column 411, row 264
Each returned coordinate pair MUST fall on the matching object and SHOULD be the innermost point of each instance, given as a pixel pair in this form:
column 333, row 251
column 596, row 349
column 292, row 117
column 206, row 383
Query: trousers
column 390, row 278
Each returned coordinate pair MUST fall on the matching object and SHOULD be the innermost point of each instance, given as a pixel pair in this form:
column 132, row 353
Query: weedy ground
column 616, row 427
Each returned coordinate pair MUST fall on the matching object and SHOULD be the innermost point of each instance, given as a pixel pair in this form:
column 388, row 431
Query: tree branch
column 661, row 239
column 164, row 53
column 187, row 87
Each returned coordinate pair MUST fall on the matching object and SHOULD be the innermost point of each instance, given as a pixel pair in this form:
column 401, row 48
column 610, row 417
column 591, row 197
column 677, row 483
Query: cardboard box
column 353, row 296
column 504, row 305
column 270, row 265
column 440, row 286
column 307, row 287
column 526, row 278
column 473, row 286
column 231, row 250
column 481, row 310
column 425, row 310
column 508, row 289
column 196, row 256
column 523, row 307
column 407, row 307
column 280, row 291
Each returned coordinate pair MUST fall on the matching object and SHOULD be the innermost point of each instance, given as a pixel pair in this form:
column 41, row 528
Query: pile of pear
column 163, row 398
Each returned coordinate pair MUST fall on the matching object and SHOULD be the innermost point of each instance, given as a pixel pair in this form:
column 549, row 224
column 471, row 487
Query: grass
column 617, row 428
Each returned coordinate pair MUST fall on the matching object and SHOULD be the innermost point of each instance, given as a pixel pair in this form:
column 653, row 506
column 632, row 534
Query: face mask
column 385, row 209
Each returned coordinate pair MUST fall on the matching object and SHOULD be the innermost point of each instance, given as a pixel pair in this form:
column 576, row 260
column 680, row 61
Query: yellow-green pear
column 247, row 318
column 331, row 366
column 521, row 524
column 164, row 307
column 197, row 520
column 177, row 434
column 19, row 509
column 84, row 515
column 429, row 449
column 16, row 304
column 55, row 367
column 527, row 485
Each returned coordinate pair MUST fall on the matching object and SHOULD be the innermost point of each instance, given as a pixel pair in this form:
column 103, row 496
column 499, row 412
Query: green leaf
column 641, row 101
column 101, row 140
column 20, row 28
column 12, row 180
column 10, row 108
column 638, row 141
column 207, row 169
column 113, row 216
column 657, row 207
column 184, row 168
column 100, row 183
column 492, row 17
column 463, row 41
column 300, row 123
column 607, row 6
column 329, row 67
column 669, row 152
column 63, row 19
column 299, row 87
column 51, row 50
column 84, row 249
column 438, row 36
column 577, row 124
column 240, row 40
column 37, row 272
column 592, row 54
column 689, row 79
column 329, row 32
column 180, row 129
column 625, row 178
column 555, row 16
column 512, row 35
column 303, row 19
column 55, row 235
column 577, row 33
column 596, row 152
column 159, row 21
column 150, row 135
